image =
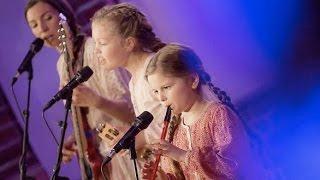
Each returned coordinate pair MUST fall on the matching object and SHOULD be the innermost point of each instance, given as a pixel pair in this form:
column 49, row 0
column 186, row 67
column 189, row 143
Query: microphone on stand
column 35, row 47
column 141, row 123
column 83, row 75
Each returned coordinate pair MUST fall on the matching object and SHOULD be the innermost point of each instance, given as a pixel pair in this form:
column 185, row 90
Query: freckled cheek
column 116, row 58
column 169, row 97
column 175, row 95
column 180, row 100
column 107, row 58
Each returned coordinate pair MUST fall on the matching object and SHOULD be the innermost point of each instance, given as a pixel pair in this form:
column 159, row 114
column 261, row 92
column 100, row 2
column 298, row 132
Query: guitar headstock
column 62, row 33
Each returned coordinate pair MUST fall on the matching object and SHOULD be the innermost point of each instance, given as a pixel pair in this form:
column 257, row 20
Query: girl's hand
column 84, row 96
column 165, row 148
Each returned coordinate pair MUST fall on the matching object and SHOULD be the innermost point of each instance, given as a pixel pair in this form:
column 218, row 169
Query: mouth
column 48, row 38
column 100, row 60
column 173, row 110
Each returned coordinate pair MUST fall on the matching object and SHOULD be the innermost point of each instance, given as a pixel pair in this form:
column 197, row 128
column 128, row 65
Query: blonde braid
column 172, row 128
column 129, row 21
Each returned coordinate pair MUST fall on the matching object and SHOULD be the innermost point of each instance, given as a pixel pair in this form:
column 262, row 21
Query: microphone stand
column 63, row 126
column 25, row 139
column 133, row 154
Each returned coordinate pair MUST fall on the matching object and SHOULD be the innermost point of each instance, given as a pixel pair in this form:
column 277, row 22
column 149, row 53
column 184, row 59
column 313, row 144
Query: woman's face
column 109, row 45
column 43, row 20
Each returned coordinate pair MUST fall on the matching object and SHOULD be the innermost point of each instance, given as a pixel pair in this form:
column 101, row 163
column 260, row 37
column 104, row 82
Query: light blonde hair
column 130, row 22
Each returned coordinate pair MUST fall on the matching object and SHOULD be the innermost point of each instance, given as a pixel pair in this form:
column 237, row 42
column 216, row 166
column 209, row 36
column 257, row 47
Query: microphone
column 35, row 47
column 142, row 122
column 81, row 76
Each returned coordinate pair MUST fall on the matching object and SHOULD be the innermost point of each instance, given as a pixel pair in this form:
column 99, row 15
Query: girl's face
column 177, row 92
column 109, row 45
column 43, row 20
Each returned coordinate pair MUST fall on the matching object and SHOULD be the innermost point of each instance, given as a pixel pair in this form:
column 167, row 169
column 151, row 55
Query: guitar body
column 109, row 134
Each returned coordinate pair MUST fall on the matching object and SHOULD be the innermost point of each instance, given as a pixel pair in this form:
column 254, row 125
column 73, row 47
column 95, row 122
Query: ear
column 130, row 43
column 195, row 81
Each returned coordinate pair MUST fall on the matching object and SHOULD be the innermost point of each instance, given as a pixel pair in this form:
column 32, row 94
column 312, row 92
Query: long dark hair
column 61, row 8
column 78, row 37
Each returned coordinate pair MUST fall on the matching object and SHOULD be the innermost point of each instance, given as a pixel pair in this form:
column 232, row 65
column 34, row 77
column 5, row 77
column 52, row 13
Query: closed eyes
column 47, row 17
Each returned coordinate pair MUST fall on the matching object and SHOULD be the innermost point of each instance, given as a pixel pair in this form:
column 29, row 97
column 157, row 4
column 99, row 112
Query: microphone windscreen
column 143, row 120
column 36, row 45
column 84, row 74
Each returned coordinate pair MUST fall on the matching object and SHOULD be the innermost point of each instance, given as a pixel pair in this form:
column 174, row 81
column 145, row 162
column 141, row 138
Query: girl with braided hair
column 206, row 138
column 124, row 38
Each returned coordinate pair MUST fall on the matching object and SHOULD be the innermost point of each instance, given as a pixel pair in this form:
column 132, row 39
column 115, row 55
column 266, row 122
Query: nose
column 96, row 49
column 43, row 27
column 162, row 97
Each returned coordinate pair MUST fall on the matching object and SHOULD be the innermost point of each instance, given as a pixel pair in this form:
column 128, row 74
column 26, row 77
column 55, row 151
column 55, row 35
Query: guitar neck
column 79, row 118
column 78, row 126
column 80, row 139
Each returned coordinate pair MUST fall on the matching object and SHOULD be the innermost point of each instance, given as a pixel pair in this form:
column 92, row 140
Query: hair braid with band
column 225, row 99
column 222, row 95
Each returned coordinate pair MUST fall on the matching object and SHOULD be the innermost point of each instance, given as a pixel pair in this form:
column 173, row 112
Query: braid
column 172, row 128
column 129, row 21
column 226, row 100
column 256, row 142
column 222, row 95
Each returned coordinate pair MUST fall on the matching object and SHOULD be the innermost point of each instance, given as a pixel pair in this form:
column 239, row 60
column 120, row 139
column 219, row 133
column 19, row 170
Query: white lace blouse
column 112, row 85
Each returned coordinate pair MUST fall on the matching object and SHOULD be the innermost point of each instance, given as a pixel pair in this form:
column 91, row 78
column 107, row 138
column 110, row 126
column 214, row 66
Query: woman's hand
column 165, row 148
column 69, row 149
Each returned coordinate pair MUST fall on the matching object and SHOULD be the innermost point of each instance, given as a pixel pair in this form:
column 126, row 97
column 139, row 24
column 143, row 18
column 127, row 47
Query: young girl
column 105, row 94
column 206, row 138
column 124, row 38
